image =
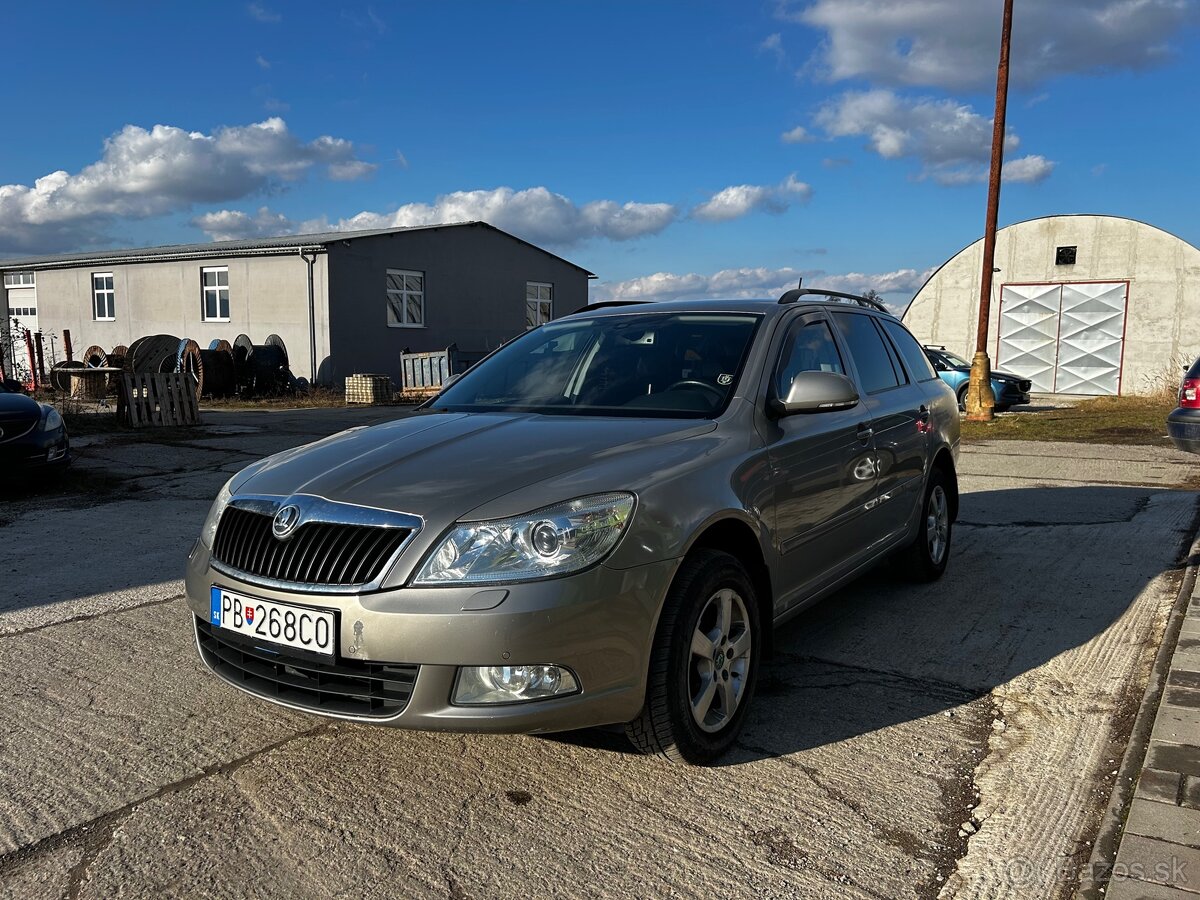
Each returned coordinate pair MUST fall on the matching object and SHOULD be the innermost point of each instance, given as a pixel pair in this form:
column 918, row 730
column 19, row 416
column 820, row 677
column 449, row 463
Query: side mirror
column 817, row 392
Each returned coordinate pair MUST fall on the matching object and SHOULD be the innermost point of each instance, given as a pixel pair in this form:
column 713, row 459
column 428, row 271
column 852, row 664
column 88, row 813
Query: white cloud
column 773, row 44
column 797, row 135
column 535, row 214
column 755, row 283
column 952, row 44
column 263, row 62
column 144, row 173
column 260, row 13
column 1028, row 169
column 232, row 225
column 739, row 200
column 951, row 141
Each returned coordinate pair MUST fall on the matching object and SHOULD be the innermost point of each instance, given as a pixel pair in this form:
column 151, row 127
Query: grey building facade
column 343, row 302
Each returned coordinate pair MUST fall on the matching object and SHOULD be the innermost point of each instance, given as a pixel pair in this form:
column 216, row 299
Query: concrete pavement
column 953, row 740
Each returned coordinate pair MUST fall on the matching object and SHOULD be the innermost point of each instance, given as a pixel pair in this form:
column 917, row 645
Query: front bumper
column 35, row 451
column 1008, row 394
column 1183, row 427
column 599, row 623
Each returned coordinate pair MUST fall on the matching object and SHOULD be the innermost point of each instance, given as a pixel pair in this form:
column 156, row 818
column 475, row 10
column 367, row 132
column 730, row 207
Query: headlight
column 209, row 531
column 556, row 540
column 53, row 421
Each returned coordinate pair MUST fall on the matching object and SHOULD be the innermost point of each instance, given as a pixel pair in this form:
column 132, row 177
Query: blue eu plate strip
column 214, row 607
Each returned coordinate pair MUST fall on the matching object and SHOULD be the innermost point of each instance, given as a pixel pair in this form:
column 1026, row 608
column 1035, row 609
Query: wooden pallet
column 157, row 400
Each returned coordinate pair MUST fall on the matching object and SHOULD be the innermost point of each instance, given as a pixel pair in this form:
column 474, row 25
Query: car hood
column 440, row 466
column 18, row 413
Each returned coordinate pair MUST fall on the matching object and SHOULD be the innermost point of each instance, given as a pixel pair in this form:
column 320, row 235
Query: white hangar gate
column 1066, row 338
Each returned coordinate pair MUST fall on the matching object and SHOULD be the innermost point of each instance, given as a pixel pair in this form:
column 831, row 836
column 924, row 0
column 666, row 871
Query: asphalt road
column 955, row 740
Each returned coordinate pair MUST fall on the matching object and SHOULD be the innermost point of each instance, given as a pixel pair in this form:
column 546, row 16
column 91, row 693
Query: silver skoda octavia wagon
column 600, row 523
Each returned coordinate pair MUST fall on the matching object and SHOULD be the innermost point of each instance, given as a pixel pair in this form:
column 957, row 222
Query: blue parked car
column 956, row 372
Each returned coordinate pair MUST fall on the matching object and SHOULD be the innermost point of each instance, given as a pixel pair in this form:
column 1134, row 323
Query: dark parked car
column 33, row 436
column 1183, row 424
column 601, row 523
column 1010, row 390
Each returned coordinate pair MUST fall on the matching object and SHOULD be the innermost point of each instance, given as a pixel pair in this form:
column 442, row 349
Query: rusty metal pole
column 41, row 358
column 980, row 400
column 67, row 349
column 33, row 379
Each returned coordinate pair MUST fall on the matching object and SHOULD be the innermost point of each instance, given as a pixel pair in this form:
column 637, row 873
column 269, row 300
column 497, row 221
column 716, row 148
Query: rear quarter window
column 914, row 357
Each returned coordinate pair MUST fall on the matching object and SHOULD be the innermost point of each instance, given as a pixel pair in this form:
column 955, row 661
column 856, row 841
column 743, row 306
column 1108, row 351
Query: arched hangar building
column 1081, row 304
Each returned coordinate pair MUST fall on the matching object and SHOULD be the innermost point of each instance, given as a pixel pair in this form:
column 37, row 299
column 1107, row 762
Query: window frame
column 404, row 294
column 110, row 293
column 537, row 302
column 20, row 282
column 216, row 288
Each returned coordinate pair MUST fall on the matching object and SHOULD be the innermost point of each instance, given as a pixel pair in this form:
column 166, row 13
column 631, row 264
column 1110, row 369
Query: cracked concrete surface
column 891, row 717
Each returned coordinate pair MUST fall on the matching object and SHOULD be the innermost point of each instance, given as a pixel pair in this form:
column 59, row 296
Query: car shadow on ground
column 1035, row 572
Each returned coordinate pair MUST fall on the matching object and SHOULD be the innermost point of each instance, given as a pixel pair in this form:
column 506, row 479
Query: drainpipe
column 312, row 315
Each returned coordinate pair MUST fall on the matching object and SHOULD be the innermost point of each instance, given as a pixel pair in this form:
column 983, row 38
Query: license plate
column 301, row 627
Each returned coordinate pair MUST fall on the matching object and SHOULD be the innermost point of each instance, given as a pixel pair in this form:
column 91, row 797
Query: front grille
column 316, row 553
column 15, row 425
column 349, row 687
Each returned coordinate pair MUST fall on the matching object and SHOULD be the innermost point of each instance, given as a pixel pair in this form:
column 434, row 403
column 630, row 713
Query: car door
column 899, row 416
column 823, row 468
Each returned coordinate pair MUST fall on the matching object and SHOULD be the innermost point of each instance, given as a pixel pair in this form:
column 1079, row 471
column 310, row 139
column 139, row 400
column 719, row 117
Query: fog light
column 478, row 685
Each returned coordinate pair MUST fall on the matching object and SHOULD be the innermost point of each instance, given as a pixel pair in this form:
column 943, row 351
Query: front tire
column 704, row 663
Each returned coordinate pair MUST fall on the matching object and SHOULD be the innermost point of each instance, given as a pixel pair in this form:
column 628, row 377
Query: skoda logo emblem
column 285, row 521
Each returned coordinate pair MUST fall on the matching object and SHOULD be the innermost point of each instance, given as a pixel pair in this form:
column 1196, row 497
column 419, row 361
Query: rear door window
column 871, row 357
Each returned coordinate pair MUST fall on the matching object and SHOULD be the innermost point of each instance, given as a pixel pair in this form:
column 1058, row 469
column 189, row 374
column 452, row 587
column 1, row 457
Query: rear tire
column 926, row 557
column 704, row 663
column 962, row 396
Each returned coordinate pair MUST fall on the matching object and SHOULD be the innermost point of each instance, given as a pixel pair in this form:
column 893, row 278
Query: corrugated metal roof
column 246, row 247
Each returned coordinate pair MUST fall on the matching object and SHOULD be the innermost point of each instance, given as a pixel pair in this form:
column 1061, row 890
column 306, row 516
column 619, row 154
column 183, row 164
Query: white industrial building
column 1081, row 304
column 342, row 302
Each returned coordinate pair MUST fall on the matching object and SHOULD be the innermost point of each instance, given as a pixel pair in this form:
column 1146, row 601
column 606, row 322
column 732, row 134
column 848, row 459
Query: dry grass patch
column 1103, row 420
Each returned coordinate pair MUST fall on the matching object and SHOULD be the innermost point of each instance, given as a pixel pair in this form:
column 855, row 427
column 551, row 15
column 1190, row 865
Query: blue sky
column 675, row 149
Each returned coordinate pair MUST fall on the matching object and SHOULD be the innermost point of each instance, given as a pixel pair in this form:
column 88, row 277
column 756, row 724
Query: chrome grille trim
column 335, row 548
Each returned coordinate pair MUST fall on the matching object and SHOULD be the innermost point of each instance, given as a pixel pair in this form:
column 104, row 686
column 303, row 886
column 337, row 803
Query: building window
column 103, row 307
column 539, row 304
column 18, row 279
column 405, row 299
column 215, row 284
column 1064, row 256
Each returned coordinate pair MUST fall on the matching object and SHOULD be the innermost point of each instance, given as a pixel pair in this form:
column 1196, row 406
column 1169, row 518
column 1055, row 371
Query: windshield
column 954, row 360
column 645, row 364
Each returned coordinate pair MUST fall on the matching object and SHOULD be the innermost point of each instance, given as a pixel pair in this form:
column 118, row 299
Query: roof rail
column 605, row 304
column 796, row 293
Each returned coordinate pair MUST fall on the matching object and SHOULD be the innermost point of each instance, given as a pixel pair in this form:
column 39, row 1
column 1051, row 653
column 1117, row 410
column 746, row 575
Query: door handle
column 865, row 432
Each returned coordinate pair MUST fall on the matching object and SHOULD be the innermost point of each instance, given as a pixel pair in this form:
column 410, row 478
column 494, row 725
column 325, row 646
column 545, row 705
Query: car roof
column 760, row 306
